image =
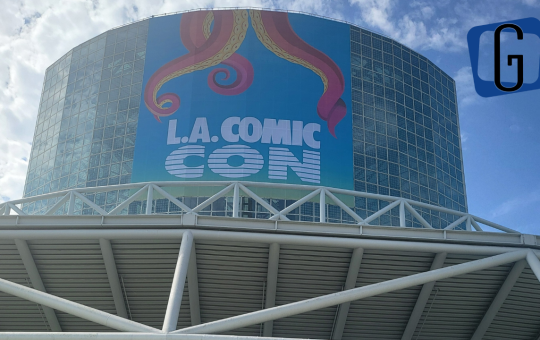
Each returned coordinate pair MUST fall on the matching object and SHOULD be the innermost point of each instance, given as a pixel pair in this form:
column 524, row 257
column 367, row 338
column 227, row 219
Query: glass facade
column 87, row 121
column 405, row 129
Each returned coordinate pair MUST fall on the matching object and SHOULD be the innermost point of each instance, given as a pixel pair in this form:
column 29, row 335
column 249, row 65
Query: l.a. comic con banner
column 246, row 95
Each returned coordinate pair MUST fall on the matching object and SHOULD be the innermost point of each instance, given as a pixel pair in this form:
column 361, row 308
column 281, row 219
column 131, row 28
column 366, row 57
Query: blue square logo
column 499, row 86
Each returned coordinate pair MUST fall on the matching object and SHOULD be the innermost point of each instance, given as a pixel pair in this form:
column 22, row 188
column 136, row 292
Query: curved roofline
column 280, row 10
column 263, row 9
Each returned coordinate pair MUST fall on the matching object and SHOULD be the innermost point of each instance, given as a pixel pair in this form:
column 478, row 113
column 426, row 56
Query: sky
column 501, row 143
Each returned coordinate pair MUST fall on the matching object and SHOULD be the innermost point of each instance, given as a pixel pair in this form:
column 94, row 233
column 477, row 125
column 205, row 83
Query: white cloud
column 466, row 92
column 12, row 168
column 438, row 25
column 415, row 27
column 516, row 204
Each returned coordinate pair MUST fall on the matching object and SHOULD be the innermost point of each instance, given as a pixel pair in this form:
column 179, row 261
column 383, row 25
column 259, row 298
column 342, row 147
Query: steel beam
column 177, row 289
column 423, row 297
column 193, row 288
column 499, row 299
column 534, row 263
column 74, row 308
column 125, row 336
column 37, row 283
column 324, row 301
column 149, row 199
column 112, row 275
column 236, row 201
column 271, row 284
column 322, row 206
column 402, row 222
column 350, row 283
column 258, row 237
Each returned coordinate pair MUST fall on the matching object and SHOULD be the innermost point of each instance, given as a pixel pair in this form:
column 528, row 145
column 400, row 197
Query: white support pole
column 125, row 336
column 193, row 288
column 57, row 205
column 73, row 308
column 322, row 206
column 417, row 216
column 90, row 203
column 112, row 275
column 402, row 222
column 380, row 212
column 297, row 204
column 259, row 200
column 350, row 283
column 71, row 207
column 468, row 224
column 422, row 299
column 499, row 299
column 149, row 199
column 534, row 263
column 17, row 210
column 344, row 207
column 475, row 225
column 271, row 284
column 494, row 225
column 324, row 301
column 127, row 202
column 236, row 200
column 213, row 198
column 37, row 283
column 457, row 222
column 177, row 289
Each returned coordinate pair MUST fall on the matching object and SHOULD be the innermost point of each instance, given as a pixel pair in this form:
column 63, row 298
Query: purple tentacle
column 244, row 76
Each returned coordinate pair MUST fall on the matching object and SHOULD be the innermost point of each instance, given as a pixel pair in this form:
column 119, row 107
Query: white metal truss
column 69, row 198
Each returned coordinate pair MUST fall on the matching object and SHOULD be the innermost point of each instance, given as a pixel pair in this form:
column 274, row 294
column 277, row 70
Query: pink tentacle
column 190, row 23
column 331, row 108
column 244, row 76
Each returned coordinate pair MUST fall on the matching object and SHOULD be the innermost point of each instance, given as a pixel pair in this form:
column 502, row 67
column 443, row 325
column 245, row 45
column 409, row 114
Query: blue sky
column 501, row 143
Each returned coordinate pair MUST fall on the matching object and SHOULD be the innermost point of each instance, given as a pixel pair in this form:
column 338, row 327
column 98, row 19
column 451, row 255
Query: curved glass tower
column 396, row 112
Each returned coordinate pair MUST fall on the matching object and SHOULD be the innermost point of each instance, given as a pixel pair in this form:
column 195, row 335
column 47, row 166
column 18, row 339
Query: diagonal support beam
column 112, row 275
column 324, row 301
column 423, row 297
column 499, row 299
column 350, row 283
column 35, row 278
column 17, row 210
column 73, row 308
column 179, row 280
column 193, row 288
column 271, row 284
column 534, row 263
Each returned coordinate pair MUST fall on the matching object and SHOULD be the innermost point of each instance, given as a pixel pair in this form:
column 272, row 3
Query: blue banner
column 246, row 95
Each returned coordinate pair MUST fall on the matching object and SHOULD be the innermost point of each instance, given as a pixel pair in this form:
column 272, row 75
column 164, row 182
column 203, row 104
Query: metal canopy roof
column 232, row 280
column 204, row 277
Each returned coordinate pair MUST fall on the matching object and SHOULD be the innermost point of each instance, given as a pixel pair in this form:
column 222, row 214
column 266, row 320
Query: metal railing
column 66, row 203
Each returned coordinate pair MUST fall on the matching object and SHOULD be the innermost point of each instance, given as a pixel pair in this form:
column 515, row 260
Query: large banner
column 246, row 95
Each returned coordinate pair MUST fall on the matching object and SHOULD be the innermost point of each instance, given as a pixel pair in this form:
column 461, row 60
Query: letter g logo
column 497, row 54
column 495, row 87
